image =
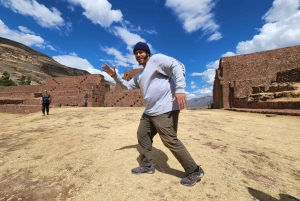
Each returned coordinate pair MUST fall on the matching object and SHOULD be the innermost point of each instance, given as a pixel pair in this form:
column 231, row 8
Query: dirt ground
column 87, row 154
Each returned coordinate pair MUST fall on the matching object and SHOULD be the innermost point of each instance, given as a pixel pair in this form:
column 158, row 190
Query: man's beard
column 145, row 59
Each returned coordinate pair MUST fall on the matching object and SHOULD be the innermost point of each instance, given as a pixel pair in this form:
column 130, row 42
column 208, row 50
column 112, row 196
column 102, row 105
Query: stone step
column 275, row 87
column 269, row 96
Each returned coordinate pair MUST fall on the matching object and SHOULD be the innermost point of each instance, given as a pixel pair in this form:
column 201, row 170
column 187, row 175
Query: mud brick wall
column 9, row 101
column 72, row 90
column 22, row 90
column 241, row 70
column 125, row 98
column 66, row 91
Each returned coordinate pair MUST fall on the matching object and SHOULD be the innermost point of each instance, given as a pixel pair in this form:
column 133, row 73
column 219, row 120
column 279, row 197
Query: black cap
column 141, row 46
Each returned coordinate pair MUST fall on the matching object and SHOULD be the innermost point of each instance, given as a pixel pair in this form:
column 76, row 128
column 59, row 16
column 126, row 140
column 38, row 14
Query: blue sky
column 85, row 34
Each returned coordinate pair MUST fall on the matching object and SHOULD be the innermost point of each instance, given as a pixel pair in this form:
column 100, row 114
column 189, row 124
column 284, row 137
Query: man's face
column 141, row 57
column 45, row 91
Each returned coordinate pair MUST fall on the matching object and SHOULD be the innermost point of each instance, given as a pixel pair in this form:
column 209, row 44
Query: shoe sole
column 192, row 184
column 149, row 172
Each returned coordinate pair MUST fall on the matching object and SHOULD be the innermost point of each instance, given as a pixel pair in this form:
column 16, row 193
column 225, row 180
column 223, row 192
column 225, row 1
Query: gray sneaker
column 143, row 169
column 192, row 178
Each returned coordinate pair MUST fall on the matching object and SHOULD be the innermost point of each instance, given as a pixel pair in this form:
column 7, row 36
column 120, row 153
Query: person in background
column 162, row 83
column 46, row 100
column 85, row 101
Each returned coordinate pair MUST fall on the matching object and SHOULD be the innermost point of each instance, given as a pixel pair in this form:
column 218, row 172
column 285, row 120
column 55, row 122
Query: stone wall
column 292, row 75
column 64, row 91
column 125, row 98
column 236, row 75
column 70, row 91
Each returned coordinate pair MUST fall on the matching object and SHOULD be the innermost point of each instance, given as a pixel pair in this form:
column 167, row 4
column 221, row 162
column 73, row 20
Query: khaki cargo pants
column 166, row 126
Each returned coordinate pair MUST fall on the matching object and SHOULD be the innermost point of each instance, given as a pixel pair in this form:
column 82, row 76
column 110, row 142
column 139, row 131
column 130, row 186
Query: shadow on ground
column 160, row 160
column 261, row 196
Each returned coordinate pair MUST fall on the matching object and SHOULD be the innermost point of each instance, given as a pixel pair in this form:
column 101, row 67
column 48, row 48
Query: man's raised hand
column 111, row 71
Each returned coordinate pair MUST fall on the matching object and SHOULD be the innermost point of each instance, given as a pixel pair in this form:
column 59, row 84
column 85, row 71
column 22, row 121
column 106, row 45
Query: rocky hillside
column 18, row 59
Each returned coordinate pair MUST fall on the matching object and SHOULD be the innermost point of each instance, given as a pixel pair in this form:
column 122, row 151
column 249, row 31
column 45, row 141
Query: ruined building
column 262, row 80
column 125, row 98
column 70, row 91
column 64, row 91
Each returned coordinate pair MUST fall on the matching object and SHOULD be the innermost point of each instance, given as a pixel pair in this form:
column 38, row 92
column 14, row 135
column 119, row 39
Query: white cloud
column 208, row 76
column 73, row 61
column 120, row 60
column 130, row 27
column 49, row 18
column 24, row 38
column 150, row 31
column 51, row 47
column 25, row 30
column 71, row 8
column 280, row 30
column 193, row 85
column 215, row 36
column 129, row 38
column 203, row 92
column 195, row 15
column 228, row 54
column 190, row 95
column 99, row 11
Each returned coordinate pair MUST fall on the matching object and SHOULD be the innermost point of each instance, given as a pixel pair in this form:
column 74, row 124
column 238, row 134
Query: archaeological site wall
column 70, row 91
column 238, row 75
column 125, row 98
column 64, row 91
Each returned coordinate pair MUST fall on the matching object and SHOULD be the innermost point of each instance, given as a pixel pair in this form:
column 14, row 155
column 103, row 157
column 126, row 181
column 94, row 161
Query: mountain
column 18, row 59
column 200, row 102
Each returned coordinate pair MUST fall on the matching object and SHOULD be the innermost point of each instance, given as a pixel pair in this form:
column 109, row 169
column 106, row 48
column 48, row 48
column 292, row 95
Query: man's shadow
column 261, row 196
column 159, row 159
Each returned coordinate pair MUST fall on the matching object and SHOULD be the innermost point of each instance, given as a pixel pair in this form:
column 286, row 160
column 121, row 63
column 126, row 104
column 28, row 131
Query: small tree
column 25, row 80
column 28, row 80
column 5, row 81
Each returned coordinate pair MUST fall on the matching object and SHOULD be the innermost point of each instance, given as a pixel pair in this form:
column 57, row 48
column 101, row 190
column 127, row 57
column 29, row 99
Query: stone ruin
column 70, row 91
column 125, row 98
column 262, row 80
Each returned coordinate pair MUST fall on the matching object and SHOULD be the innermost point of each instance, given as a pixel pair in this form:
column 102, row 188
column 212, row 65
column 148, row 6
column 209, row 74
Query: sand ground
column 87, row 154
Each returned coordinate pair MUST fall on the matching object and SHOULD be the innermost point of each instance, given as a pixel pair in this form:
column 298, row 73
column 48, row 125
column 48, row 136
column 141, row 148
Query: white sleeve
column 171, row 67
column 129, row 85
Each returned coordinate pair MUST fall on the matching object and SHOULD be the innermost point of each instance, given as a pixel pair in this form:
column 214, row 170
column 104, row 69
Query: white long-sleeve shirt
column 162, row 77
